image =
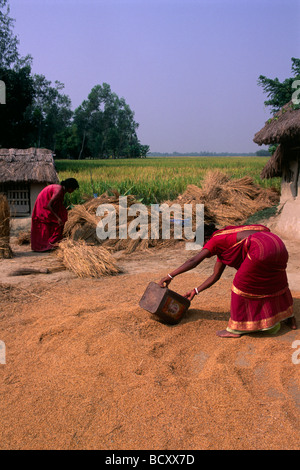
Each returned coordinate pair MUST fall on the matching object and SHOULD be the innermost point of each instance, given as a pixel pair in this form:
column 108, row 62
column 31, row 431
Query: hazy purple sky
column 187, row 68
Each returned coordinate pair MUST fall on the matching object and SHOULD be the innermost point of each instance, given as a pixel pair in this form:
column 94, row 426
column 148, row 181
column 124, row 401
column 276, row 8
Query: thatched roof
column 27, row 165
column 283, row 128
column 273, row 167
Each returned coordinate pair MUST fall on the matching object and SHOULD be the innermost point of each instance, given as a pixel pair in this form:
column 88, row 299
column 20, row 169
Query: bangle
column 170, row 276
column 196, row 290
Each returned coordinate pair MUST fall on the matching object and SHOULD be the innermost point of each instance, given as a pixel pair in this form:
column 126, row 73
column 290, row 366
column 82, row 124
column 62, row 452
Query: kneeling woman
column 260, row 297
column 50, row 215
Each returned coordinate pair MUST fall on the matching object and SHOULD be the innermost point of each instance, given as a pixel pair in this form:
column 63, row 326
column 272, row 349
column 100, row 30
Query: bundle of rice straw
column 82, row 223
column 5, row 250
column 24, row 238
column 229, row 201
column 86, row 260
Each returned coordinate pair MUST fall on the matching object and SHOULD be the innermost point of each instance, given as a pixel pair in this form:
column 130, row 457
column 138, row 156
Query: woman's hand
column 165, row 281
column 190, row 295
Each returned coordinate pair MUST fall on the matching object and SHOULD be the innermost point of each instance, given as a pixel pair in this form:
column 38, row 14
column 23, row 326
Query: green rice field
column 153, row 180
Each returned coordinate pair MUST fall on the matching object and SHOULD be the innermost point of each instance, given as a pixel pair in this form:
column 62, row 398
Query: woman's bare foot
column 227, row 334
column 291, row 322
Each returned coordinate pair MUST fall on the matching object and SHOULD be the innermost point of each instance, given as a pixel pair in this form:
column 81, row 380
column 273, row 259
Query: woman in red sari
column 260, row 297
column 50, row 215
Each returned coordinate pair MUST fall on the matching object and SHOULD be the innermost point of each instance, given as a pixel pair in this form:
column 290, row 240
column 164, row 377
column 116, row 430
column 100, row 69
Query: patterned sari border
column 261, row 324
column 257, row 228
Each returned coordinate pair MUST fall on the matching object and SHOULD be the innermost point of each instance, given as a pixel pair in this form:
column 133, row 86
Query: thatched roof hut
column 284, row 129
column 27, row 165
column 23, row 174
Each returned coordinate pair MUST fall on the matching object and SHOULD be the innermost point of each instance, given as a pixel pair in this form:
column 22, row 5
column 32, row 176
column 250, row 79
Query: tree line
column 37, row 113
column 259, row 153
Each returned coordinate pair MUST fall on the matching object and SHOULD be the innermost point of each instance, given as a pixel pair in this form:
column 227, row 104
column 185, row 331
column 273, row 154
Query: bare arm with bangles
column 191, row 264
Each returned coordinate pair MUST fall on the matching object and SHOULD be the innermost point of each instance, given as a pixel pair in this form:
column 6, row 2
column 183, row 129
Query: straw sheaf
column 27, row 165
column 24, row 238
column 86, row 260
column 229, row 201
column 283, row 128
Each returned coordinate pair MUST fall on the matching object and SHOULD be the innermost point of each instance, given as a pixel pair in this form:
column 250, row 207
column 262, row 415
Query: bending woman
column 50, row 215
column 260, row 297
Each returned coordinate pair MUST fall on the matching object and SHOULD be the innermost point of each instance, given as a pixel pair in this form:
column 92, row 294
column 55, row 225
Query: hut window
column 18, row 196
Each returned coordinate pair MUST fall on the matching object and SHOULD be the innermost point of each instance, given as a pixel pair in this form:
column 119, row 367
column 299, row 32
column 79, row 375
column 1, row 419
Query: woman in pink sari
column 50, row 215
column 260, row 297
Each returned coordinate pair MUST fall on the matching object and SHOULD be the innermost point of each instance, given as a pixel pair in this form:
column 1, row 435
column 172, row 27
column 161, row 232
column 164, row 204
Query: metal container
column 165, row 303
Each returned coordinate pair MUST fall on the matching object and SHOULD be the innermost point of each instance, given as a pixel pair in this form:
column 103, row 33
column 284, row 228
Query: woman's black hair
column 70, row 183
column 209, row 229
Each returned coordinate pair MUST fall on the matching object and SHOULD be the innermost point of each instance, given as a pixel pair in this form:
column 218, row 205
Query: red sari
column 260, row 297
column 45, row 229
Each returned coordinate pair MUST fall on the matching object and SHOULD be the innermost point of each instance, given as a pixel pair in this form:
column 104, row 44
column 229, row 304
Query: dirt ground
column 87, row 368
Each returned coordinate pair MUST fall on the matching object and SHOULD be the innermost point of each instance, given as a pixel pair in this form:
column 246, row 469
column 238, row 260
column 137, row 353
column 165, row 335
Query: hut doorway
column 18, row 196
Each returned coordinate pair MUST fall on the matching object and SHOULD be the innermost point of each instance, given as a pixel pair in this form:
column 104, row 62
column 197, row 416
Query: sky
column 187, row 68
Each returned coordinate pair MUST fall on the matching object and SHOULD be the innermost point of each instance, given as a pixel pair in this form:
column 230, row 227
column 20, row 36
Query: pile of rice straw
column 82, row 223
column 229, row 201
column 24, row 238
column 226, row 202
column 5, row 250
column 86, row 260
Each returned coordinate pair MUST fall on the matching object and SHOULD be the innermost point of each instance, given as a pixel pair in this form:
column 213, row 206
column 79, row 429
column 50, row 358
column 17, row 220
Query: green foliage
column 272, row 148
column 9, row 54
column 263, row 153
column 15, row 120
column 261, row 215
column 8, row 41
column 51, row 112
column 106, row 127
column 280, row 93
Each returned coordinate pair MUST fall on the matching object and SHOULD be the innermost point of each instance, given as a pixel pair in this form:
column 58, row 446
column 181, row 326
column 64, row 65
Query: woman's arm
column 187, row 266
column 218, row 271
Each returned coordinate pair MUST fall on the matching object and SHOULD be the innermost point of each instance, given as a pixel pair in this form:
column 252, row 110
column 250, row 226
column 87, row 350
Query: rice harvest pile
column 226, row 202
column 229, row 201
column 5, row 250
column 86, row 260
column 24, row 238
column 82, row 223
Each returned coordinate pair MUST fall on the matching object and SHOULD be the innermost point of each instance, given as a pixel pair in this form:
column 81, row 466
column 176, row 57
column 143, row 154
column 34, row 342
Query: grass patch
column 264, row 214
